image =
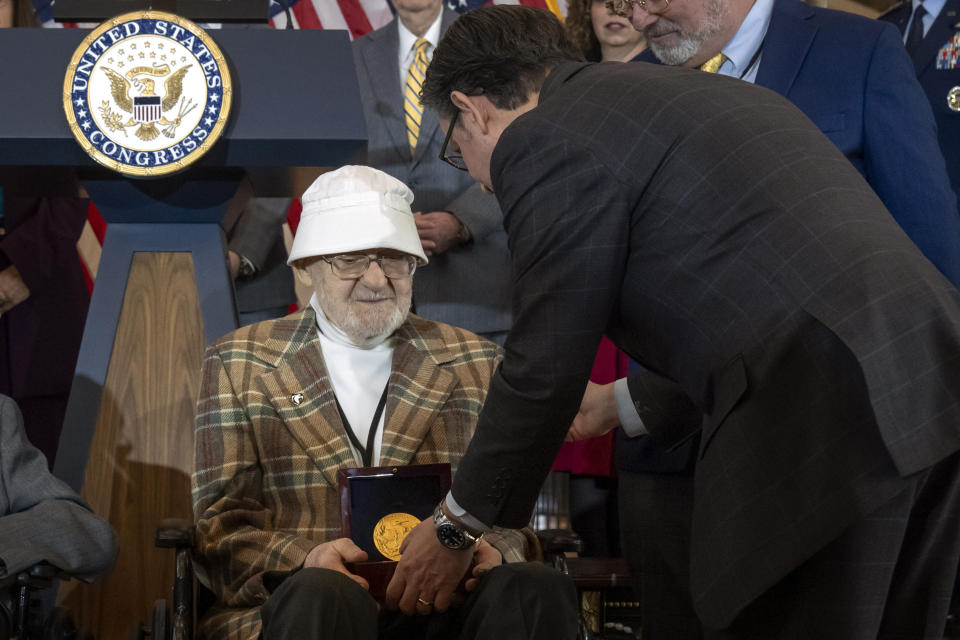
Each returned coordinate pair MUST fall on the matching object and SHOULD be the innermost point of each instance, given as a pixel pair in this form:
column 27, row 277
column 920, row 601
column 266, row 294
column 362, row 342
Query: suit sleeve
column 259, row 229
column 903, row 162
column 478, row 211
column 568, row 224
column 668, row 414
column 236, row 542
column 45, row 520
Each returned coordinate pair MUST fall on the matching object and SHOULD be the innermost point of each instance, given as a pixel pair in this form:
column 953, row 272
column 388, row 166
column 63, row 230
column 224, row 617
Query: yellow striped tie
column 713, row 64
column 412, row 108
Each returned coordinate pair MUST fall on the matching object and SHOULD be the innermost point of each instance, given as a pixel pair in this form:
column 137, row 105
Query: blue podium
column 163, row 289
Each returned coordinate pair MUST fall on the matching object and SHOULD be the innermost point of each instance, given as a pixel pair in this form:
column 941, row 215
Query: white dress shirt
column 405, row 51
column 932, row 8
column 742, row 58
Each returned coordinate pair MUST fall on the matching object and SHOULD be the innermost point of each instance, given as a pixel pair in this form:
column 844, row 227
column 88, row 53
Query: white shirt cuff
column 461, row 514
column 630, row 420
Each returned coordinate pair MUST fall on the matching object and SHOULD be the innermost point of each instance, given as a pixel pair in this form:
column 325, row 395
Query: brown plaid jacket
column 265, row 486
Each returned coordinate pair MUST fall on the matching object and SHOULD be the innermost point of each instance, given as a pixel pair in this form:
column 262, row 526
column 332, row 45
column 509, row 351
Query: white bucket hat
column 356, row 208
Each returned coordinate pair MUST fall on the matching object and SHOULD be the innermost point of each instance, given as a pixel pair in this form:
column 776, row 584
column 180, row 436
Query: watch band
column 247, row 268
column 450, row 533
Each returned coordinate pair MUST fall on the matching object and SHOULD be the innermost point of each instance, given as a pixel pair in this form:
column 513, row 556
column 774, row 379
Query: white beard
column 686, row 44
column 362, row 328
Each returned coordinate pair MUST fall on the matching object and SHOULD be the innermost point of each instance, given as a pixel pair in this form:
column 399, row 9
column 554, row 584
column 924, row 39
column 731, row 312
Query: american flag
column 362, row 16
column 356, row 16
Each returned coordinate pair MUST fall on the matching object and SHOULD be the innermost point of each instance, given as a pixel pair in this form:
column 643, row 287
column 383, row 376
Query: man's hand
column 13, row 290
column 332, row 555
column 438, row 231
column 427, row 573
column 597, row 415
column 485, row 557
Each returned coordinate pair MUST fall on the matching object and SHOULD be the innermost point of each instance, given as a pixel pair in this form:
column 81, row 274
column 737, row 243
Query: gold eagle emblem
column 145, row 107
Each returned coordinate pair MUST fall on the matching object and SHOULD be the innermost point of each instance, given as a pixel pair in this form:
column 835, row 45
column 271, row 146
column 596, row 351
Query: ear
column 303, row 276
column 474, row 109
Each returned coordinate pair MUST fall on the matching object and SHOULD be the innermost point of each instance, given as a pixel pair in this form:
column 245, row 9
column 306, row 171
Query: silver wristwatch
column 450, row 534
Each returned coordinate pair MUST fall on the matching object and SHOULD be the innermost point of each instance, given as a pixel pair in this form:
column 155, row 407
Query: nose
column 374, row 277
column 640, row 18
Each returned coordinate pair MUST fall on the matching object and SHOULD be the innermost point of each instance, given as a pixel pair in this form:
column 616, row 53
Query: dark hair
column 579, row 26
column 23, row 14
column 500, row 51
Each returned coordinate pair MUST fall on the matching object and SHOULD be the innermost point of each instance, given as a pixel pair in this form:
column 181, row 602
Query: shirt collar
column 746, row 42
column 933, row 7
column 407, row 39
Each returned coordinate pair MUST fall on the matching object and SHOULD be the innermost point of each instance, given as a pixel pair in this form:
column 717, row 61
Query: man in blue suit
column 932, row 41
column 851, row 77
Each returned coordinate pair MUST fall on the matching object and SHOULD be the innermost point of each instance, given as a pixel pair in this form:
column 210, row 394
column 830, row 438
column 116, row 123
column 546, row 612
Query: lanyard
column 366, row 453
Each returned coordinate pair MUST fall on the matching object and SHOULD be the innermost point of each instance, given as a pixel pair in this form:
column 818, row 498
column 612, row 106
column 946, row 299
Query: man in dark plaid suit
column 720, row 239
column 352, row 380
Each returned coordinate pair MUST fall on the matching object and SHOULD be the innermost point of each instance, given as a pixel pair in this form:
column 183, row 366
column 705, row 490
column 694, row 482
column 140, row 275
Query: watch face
column 451, row 537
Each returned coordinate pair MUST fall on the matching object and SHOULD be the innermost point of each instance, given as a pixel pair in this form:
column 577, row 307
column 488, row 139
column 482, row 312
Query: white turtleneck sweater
column 358, row 374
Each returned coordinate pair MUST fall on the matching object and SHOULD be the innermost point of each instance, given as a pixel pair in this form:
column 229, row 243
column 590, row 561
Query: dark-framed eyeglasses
column 354, row 265
column 454, row 158
column 624, row 8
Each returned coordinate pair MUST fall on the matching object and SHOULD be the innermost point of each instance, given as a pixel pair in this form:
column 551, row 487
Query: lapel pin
column 296, row 398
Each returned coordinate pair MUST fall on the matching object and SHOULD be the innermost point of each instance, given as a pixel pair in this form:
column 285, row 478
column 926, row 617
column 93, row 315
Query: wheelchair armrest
column 175, row 533
column 559, row 541
column 40, row 576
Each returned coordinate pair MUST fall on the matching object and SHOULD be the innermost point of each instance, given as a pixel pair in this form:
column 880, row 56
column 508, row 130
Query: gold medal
column 953, row 99
column 390, row 531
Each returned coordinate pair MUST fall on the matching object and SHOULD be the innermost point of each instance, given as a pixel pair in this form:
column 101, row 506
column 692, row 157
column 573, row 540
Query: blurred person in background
column 17, row 13
column 602, row 35
column 43, row 294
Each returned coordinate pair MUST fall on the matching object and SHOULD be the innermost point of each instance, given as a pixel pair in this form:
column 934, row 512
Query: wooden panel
column 141, row 457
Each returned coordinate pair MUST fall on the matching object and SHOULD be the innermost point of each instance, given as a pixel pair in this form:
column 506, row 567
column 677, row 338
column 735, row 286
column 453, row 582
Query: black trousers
column 656, row 510
column 513, row 601
column 889, row 576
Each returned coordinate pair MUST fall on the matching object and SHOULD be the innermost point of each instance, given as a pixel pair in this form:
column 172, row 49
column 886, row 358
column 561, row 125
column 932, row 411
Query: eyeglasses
column 624, row 8
column 350, row 267
column 455, row 158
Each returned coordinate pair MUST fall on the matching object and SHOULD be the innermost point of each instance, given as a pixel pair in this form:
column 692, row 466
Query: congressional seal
column 390, row 531
column 147, row 93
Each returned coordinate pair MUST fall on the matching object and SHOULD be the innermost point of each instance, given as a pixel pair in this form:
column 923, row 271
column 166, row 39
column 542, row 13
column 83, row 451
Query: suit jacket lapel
column 314, row 423
column 789, row 36
column 383, row 70
column 939, row 34
column 418, row 389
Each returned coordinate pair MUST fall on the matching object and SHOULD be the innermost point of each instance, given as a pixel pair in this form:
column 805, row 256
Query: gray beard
column 689, row 43
column 365, row 330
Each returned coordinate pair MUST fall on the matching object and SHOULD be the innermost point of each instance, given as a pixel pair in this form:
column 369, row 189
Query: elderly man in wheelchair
column 352, row 380
column 46, row 531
